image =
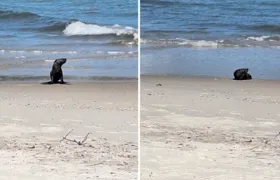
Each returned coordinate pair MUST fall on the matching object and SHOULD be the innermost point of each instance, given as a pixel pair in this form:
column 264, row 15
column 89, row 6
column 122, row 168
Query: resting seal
column 56, row 73
column 242, row 74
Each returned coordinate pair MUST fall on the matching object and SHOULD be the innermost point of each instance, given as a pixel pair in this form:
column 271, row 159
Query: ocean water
column 210, row 37
column 99, row 38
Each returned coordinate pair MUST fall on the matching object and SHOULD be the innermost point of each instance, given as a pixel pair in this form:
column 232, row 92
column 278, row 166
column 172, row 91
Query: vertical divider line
column 139, row 89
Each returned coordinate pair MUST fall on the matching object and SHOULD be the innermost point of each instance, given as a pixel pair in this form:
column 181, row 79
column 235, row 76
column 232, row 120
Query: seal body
column 56, row 73
column 242, row 74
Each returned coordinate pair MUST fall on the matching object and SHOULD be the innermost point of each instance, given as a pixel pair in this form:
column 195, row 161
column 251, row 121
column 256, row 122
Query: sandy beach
column 34, row 119
column 209, row 129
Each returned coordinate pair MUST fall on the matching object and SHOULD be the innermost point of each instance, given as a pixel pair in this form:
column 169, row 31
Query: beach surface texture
column 35, row 121
column 209, row 128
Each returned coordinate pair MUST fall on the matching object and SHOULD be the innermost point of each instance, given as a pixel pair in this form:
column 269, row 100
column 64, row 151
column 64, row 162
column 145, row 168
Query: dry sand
column 34, row 118
column 209, row 129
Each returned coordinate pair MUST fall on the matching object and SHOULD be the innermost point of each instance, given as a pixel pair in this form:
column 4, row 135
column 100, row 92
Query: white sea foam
column 37, row 51
column 258, row 38
column 132, row 52
column 257, row 41
column 80, row 28
column 99, row 52
column 115, row 52
column 143, row 41
column 20, row 57
column 200, row 43
column 49, row 60
column 184, row 42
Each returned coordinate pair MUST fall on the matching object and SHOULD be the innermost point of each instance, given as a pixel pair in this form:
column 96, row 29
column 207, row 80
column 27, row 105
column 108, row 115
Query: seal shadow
column 241, row 79
column 50, row 83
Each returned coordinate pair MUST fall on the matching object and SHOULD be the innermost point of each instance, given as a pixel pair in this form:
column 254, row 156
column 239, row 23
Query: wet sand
column 34, row 118
column 209, row 128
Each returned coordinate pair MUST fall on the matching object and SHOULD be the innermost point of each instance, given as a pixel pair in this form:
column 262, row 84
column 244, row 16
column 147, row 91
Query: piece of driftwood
column 74, row 140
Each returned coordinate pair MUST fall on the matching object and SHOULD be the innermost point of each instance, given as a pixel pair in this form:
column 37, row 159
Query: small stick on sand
column 66, row 135
column 74, row 140
column 85, row 138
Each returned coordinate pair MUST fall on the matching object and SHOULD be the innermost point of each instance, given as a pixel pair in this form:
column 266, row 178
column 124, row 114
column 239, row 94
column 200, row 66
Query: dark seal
column 56, row 73
column 242, row 74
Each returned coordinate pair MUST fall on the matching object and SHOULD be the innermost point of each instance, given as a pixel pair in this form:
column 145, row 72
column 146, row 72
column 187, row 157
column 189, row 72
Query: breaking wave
column 71, row 27
column 79, row 29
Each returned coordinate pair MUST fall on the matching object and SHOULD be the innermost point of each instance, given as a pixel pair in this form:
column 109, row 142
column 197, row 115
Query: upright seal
column 56, row 73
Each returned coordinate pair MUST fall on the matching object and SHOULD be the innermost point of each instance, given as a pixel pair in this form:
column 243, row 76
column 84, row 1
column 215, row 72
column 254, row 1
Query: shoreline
column 201, row 77
column 85, row 79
